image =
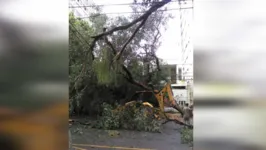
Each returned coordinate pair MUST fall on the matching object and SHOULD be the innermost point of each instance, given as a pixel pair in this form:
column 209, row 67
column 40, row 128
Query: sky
column 233, row 35
column 27, row 12
column 170, row 50
column 224, row 24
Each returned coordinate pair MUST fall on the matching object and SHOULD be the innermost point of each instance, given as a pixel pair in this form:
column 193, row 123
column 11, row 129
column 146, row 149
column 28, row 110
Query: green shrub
column 109, row 119
column 187, row 136
column 133, row 117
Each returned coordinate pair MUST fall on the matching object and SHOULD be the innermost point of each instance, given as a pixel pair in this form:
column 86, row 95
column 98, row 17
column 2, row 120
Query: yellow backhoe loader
column 164, row 99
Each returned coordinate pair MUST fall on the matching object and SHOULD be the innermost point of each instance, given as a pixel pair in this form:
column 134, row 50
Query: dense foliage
column 94, row 77
column 187, row 136
column 133, row 117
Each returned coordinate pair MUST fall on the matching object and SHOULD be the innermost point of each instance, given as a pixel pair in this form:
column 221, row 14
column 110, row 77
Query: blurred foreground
column 34, row 77
column 230, row 75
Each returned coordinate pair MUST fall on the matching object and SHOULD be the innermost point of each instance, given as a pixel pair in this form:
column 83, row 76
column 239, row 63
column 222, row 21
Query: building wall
column 186, row 25
column 186, row 42
column 181, row 96
column 181, row 93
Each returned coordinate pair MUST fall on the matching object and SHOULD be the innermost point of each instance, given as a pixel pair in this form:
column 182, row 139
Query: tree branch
column 157, row 36
column 152, row 49
column 110, row 45
column 117, row 57
column 85, row 58
column 142, row 17
column 178, row 122
column 91, row 49
column 128, row 76
column 130, row 79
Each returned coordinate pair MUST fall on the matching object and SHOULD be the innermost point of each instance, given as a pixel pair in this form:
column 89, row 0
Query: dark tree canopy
column 111, row 58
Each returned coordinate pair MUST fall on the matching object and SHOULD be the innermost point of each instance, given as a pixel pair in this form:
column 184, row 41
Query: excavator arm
column 160, row 95
column 167, row 90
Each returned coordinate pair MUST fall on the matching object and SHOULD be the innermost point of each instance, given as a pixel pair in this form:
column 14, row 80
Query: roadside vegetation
column 187, row 136
column 132, row 117
column 110, row 58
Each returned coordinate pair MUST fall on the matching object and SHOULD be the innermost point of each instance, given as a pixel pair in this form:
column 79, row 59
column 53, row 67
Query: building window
column 179, row 87
column 182, row 103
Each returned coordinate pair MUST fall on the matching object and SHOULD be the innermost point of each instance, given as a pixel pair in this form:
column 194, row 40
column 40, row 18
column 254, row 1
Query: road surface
column 86, row 138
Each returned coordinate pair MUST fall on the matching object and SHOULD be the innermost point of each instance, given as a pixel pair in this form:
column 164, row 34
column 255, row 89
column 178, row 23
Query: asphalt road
column 86, row 138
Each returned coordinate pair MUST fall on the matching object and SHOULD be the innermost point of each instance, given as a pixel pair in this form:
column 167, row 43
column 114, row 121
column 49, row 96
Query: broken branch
column 117, row 57
column 142, row 17
column 128, row 76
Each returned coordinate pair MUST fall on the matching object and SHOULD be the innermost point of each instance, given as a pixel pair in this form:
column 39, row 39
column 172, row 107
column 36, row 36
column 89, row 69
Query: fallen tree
column 117, row 53
column 108, row 46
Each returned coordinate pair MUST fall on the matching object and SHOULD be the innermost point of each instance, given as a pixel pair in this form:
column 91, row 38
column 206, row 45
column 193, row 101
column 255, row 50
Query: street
column 88, row 138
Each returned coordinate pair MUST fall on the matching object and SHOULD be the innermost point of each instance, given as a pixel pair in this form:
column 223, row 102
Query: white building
column 186, row 44
column 182, row 88
column 181, row 93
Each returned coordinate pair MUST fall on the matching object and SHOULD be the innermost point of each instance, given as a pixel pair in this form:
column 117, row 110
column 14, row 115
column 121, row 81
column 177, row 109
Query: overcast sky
column 227, row 24
column 233, row 34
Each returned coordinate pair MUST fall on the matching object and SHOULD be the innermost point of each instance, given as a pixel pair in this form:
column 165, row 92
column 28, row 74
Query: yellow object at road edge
column 103, row 146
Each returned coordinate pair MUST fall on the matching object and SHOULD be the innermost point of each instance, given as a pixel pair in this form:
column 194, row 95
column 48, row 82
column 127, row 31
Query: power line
column 84, row 11
column 130, row 12
column 72, row 25
column 86, row 43
column 118, row 4
column 127, row 12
